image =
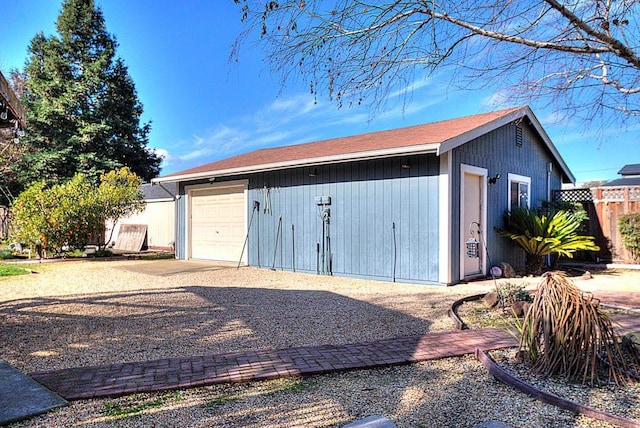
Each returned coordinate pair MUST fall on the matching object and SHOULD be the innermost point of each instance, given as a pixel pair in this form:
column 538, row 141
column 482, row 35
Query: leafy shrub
column 69, row 214
column 56, row 216
column 510, row 292
column 566, row 334
column 6, row 253
column 75, row 253
column 540, row 234
column 629, row 227
column 575, row 208
column 120, row 196
column 103, row 252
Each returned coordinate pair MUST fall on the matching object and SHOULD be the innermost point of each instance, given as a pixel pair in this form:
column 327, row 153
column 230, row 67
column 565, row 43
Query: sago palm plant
column 566, row 334
column 540, row 234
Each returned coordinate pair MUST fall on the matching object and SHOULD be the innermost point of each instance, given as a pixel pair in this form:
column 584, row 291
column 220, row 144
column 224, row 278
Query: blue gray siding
column 367, row 199
column 497, row 152
column 384, row 219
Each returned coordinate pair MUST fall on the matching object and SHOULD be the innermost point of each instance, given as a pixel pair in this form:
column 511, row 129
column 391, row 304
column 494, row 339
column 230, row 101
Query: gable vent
column 518, row 136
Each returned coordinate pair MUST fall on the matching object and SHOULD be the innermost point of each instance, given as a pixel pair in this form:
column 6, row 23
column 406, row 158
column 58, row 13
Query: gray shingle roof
column 156, row 191
column 436, row 137
column 622, row 182
column 631, row 169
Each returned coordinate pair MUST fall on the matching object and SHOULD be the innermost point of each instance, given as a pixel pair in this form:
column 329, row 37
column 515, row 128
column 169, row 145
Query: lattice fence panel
column 615, row 194
column 573, row 195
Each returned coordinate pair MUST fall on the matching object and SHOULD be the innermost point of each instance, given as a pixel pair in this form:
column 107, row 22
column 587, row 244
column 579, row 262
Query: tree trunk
column 533, row 265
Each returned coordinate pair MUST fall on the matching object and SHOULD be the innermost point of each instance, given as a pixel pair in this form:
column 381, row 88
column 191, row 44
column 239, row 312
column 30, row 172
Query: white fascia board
column 323, row 160
column 551, row 146
column 516, row 115
column 464, row 138
column 151, row 201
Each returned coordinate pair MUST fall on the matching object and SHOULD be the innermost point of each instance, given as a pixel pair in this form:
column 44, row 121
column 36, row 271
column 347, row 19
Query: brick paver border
column 177, row 373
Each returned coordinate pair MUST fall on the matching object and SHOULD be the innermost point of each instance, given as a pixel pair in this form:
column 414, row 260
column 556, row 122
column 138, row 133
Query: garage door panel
column 217, row 223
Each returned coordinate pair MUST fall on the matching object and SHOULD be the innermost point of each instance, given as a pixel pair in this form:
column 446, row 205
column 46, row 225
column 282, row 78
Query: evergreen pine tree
column 83, row 114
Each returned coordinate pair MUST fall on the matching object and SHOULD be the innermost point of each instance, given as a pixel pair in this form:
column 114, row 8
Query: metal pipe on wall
column 256, row 206
column 293, row 249
column 395, row 250
column 275, row 248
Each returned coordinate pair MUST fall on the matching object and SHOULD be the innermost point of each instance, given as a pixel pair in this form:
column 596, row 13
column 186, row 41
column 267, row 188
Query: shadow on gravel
column 171, row 267
column 52, row 333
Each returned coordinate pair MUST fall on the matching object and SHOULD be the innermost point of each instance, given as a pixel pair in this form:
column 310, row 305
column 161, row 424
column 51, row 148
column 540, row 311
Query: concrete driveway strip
column 22, row 397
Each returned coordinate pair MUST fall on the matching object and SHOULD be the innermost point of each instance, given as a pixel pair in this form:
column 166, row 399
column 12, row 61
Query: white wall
column 159, row 216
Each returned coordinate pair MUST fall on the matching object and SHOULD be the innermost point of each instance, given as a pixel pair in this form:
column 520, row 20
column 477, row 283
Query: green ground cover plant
column 6, row 253
column 136, row 405
column 10, row 270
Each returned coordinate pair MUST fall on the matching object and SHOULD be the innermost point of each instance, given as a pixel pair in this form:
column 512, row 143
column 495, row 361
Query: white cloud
column 498, row 99
column 167, row 159
column 554, row 117
column 411, row 88
column 195, row 154
column 163, row 153
column 271, row 138
column 299, row 104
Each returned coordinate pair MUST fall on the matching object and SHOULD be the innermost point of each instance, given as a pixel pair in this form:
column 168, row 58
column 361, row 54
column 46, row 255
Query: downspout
column 174, row 197
column 176, row 224
column 176, row 213
column 549, row 170
column 395, row 251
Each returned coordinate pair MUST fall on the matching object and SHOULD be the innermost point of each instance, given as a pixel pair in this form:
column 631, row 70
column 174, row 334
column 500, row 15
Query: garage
column 217, row 226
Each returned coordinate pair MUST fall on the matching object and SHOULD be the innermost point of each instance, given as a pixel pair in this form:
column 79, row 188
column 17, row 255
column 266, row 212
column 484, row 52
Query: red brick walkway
column 619, row 298
column 146, row 376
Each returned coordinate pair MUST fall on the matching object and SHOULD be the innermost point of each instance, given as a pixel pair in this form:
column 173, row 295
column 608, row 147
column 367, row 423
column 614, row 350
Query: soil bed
column 621, row 400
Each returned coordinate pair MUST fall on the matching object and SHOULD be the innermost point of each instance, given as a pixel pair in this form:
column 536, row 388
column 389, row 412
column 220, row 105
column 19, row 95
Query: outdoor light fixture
column 405, row 164
column 313, row 173
column 492, row 180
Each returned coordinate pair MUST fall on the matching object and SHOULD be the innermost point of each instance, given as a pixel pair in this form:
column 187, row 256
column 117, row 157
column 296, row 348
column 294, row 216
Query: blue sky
column 204, row 107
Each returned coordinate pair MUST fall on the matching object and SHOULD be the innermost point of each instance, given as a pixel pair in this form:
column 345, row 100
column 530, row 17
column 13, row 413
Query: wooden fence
column 610, row 204
column 604, row 206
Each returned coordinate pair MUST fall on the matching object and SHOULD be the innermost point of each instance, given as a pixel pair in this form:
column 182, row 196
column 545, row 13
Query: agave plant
column 566, row 334
column 540, row 234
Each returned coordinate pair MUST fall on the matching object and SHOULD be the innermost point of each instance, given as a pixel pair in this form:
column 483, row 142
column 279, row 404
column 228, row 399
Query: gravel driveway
column 86, row 313
column 75, row 314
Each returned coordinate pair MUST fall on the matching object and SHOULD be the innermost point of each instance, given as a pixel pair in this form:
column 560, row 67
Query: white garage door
column 218, row 223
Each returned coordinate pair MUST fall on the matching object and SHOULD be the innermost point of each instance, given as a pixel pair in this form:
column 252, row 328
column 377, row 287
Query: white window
column 519, row 191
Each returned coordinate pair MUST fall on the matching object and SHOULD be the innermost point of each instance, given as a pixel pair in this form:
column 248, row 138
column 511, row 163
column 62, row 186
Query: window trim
column 515, row 178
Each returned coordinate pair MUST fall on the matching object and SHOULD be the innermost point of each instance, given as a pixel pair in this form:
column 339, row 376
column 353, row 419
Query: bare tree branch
column 581, row 55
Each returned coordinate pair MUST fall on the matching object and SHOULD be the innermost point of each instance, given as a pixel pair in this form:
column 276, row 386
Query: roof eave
column 552, row 148
column 150, row 201
column 323, row 160
column 10, row 99
column 504, row 120
column 481, row 130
